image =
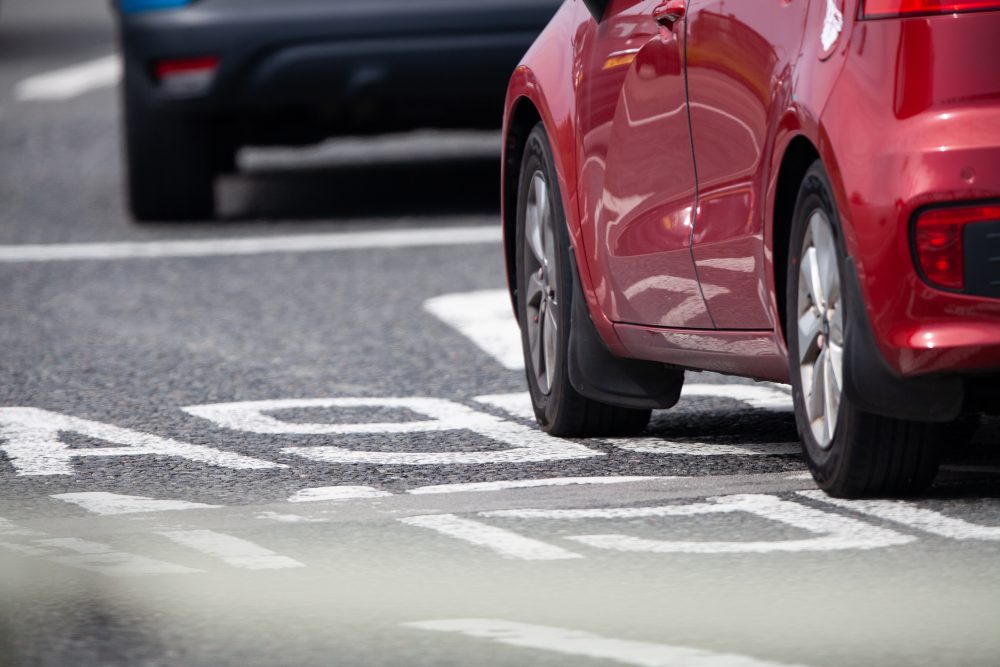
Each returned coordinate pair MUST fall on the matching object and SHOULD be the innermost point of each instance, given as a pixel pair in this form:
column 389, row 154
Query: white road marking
column 102, row 559
column 800, row 476
column 588, row 645
column 528, row 483
column 527, row 445
column 910, row 515
column 659, row 446
column 30, row 438
column 288, row 518
column 9, row 528
column 100, row 502
column 503, row 542
column 759, row 396
column 304, row 243
column 517, row 404
column 325, row 493
column 487, row 319
column 232, row 550
column 835, row 532
column 70, row 82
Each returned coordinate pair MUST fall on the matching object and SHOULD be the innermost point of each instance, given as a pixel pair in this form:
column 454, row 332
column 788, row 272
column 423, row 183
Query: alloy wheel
column 541, row 283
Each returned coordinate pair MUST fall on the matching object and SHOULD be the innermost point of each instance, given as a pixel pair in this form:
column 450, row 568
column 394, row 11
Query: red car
column 799, row 191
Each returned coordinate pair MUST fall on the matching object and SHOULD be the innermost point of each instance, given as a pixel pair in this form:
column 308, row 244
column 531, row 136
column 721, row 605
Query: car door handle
column 668, row 13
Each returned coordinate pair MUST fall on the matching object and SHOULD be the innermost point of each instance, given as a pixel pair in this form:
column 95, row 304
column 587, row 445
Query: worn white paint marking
column 528, row 484
column 232, row 550
column 102, row 559
column 517, row 404
column 70, row 82
column 759, row 396
column 587, row 645
column 503, row 542
column 919, row 518
column 337, row 493
column 526, row 445
column 100, row 502
column 396, row 238
column 30, row 438
column 835, row 532
column 659, row 446
column 487, row 319
column 287, row 518
column 9, row 528
column 800, row 476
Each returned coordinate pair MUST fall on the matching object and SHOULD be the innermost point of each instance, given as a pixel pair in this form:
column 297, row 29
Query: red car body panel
column 670, row 147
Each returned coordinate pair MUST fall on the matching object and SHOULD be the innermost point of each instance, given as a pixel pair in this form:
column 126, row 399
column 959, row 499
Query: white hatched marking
column 588, row 645
column 471, row 487
column 232, row 550
column 304, row 243
column 659, row 446
column 517, row 404
column 108, row 504
column 487, row 319
column 503, row 542
column 337, row 493
column 910, row 515
column 70, row 82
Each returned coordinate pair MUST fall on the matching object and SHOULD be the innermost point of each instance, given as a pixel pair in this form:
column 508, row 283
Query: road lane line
column 485, row 318
column 303, row 243
column 588, row 645
column 232, row 550
column 109, row 504
column 758, row 396
column 503, row 542
column 102, row 559
column 517, row 404
column 70, row 82
column 674, row 448
column 337, row 493
column 473, row 487
column 929, row 521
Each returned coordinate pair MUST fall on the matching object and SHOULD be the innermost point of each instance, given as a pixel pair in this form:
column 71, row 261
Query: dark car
column 204, row 77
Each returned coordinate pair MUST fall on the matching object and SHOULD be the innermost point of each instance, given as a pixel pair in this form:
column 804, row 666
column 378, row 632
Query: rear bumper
column 915, row 123
column 352, row 63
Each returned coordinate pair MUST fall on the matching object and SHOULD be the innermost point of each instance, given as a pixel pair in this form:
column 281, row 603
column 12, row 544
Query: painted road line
column 503, row 542
column 759, row 396
column 10, row 529
column 473, row 487
column 588, row 645
column 517, row 404
column 102, row 559
column 287, row 518
column 70, row 82
column 834, row 532
column 485, row 318
column 908, row 514
column 304, row 243
column 674, row 448
column 232, row 550
column 109, row 504
column 337, row 493
column 31, row 439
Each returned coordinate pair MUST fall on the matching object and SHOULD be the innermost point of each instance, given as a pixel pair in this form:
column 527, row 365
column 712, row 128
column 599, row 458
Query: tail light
column 877, row 9
column 186, row 75
column 939, row 242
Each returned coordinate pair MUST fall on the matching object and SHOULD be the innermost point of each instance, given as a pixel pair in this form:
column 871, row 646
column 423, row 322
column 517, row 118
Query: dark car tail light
column 186, row 74
column 886, row 8
column 939, row 242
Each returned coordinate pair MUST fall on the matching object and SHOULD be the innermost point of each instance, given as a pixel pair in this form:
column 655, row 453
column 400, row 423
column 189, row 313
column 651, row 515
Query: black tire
column 868, row 455
column 171, row 163
column 561, row 410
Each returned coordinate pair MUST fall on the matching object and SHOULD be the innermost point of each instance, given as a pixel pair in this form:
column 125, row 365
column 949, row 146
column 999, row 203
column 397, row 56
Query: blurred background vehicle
column 204, row 77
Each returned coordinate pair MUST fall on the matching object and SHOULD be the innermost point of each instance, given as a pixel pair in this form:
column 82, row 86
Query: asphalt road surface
column 299, row 437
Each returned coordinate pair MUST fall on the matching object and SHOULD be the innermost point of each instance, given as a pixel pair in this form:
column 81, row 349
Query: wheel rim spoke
column 535, row 217
column 540, row 262
column 551, row 329
column 820, row 334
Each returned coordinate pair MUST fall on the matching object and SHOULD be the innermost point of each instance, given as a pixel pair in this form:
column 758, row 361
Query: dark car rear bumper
column 353, row 67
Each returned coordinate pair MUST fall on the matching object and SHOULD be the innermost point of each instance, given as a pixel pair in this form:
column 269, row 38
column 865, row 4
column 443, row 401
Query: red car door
column 739, row 56
column 637, row 177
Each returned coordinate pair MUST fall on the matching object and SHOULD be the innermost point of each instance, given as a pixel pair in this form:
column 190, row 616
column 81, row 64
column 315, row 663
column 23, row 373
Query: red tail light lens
column 874, row 9
column 186, row 75
column 939, row 246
